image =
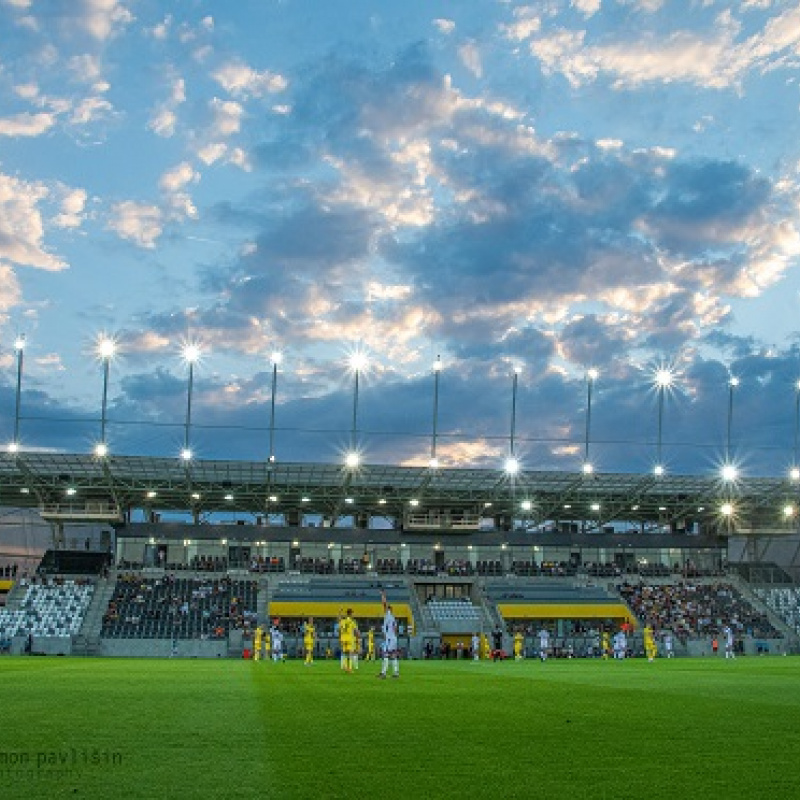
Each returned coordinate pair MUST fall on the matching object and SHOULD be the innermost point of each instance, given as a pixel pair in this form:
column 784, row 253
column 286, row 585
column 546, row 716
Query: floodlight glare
column 588, row 468
column 229, row 497
column 593, row 374
column 511, row 466
column 101, row 449
column 658, row 470
column 437, row 365
column 186, row 454
column 70, row 492
column 729, row 472
column 151, row 494
column 352, row 459
column 349, row 501
column 276, row 358
column 19, row 343
column 664, row 378
column 794, row 473
column 358, row 361
column 526, row 505
column 413, row 502
column 734, row 381
column 273, row 498
column 382, row 501
column 13, row 447
column 517, row 369
column 726, row 509
column 433, row 463
column 595, row 506
column 191, row 353
column 195, row 495
column 106, row 348
column 788, row 511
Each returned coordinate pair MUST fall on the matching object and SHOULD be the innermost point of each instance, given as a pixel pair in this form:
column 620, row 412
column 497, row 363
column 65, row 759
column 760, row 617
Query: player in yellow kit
column 346, row 628
column 606, row 644
column 371, row 644
column 650, row 649
column 519, row 644
column 258, row 637
column 308, row 640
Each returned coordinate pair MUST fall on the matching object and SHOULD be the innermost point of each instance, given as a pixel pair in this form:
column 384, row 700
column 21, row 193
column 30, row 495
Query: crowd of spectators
column 692, row 610
column 182, row 608
column 267, row 564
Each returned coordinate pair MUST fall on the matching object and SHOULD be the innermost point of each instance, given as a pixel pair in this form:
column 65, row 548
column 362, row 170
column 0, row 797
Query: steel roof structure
column 81, row 486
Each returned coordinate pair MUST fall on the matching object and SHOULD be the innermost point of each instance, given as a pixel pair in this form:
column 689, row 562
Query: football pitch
column 106, row 728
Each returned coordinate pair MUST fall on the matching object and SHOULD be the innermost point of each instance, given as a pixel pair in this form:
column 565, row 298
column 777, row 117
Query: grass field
column 106, row 728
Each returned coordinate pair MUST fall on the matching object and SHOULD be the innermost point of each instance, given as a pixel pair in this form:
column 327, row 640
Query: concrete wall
column 162, row 648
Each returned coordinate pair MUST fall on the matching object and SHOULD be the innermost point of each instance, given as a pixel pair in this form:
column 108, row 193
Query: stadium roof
column 84, row 486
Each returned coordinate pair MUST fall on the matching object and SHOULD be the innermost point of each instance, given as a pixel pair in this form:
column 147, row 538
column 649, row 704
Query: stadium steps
column 265, row 592
column 89, row 633
column 490, row 616
column 775, row 619
column 15, row 597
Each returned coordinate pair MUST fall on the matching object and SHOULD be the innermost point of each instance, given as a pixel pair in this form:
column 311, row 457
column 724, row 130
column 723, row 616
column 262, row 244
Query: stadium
column 399, row 399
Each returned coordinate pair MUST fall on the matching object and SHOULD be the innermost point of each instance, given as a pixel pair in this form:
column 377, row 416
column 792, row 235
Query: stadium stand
column 53, row 608
column 461, row 612
column 692, row 610
column 173, row 607
column 785, row 602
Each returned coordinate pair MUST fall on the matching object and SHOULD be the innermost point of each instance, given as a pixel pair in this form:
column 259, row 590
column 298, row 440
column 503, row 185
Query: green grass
column 216, row 729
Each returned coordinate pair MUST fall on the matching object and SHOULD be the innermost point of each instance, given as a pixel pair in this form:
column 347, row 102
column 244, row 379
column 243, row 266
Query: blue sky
column 553, row 186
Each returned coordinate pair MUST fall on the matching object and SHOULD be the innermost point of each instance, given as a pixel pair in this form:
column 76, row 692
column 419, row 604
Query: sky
column 549, row 188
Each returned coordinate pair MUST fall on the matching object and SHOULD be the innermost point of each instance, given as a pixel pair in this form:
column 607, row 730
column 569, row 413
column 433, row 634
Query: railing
column 86, row 512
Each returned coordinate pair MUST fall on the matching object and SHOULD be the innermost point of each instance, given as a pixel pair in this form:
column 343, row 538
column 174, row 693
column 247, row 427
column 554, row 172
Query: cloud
column 26, row 124
column 73, row 205
column 717, row 59
column 178, row 177
column 527, row 21
column 226, row 118
column 163, row 122
column 104, row 18
column 445, row 26
column 471, row 58
column 21, row 226
column 137, row 222
column 243, row 81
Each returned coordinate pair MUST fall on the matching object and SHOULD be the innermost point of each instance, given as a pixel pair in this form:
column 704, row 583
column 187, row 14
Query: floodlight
column 191, row 353
column 101, row 449
column 276, row 357
column 588, row 468
column 358, row 361
column 526, row 505
column 413, row 502
column 19, row 343
column 658, row 470
column 593, row 374
column 729, row 472
column 734, row 381
column 352, row 459
column 437, row 365
column 13, row 447
column 595, row 506
column 186, row 454
column 794, row 473
column 434, row 463
column 726, row 509
column 511, row 466
column 664, row 378
column 788, row 511
column 106, row 347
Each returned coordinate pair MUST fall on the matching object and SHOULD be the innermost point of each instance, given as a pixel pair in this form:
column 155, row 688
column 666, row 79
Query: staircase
column 87, row 641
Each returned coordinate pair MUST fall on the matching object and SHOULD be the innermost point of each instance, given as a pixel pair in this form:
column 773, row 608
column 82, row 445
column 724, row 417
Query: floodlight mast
column 797, row 424
column 663, row 378
column 106, row 347
column 437, row 368
column 191, row 354
column 19, row 346
column 732, row 384
column 514, row 383
column 277, row 357
column 591, row 377
column 358, row 362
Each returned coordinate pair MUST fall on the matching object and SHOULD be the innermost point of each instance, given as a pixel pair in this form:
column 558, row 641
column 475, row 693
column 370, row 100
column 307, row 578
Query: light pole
column 729, row 471
column 277, row 358
column 106, row 348
column 796, row 429
column 358, row 362
column 591, row 376
column 191, row 355
column 664, row 378
column 437, row 368
column 19, row 346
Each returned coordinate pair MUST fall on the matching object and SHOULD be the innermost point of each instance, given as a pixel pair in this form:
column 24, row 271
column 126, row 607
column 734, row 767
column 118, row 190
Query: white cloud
column 26, row 124
column 163, row 123
column 27, row 91
column 72, row 207
column 104, row 18
column 212, row 153
column 242, row 81
column 10, row 293
column 587, row 7
column 714, row 60
column 471, row 58
column 91, row 109
column 239, row 158
column 86, row 67
column 178, row 177
column 227, row 117
column 161, row 31
column 444, row 25
column 18, row 3
column 526, row 22
column 21, row 228
column 137, row 222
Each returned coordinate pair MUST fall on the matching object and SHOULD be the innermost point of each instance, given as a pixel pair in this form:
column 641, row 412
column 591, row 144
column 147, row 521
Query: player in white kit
column 276, row 640
column 476, row 647
column 544, row 644
column 389, row 641
column 727, row 632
